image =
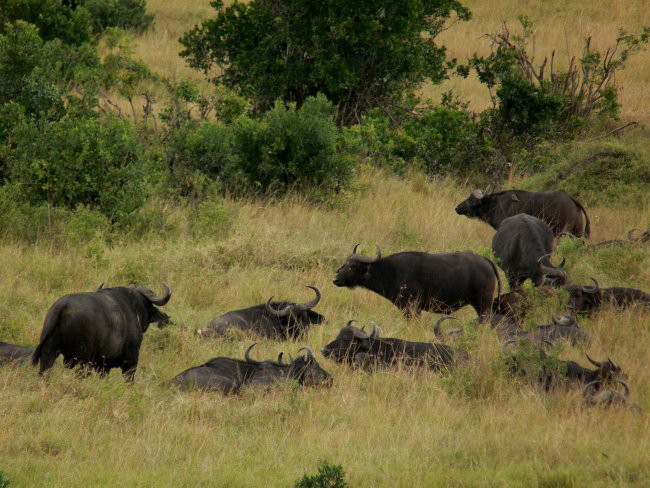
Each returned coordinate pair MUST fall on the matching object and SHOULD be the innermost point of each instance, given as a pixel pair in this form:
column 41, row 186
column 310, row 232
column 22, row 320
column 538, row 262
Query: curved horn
column 277, row 313
column 374, row 333
column 626, row 389
column 366, row 259
column 591, row 289
column 630, row 233
column 590, row 386
column 100, row 287
column 437, row 325
column 561, row 265
column 310, row 353
column 153, row 298
column 350, row 322
column 279, row 361
column 312, row 303
column 552, row 271
column 247, row 354
column 595, row 363
column 614, row 365
column 478, row 193
column 556, row 320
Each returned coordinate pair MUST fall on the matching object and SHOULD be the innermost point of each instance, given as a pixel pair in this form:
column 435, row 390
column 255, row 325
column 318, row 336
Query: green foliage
column 613, row 173
column 125, row 14
column 4, row 481
column 79, row 161
column 328, row 476
column 360, row 55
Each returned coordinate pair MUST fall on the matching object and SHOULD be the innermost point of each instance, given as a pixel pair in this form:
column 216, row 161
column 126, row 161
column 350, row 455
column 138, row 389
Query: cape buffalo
column 561, row 328
column 352, row 342
column 595, row 396
column 523, row 245
column 101, row 329
column 227, row 375
column 416, row 281
column 277, row 320
column 13, row 353
column 642, row 239
column 585, row 299
column 560, row 211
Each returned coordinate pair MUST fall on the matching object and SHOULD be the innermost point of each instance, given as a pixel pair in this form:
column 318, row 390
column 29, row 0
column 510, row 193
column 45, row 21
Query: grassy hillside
column 474, row 427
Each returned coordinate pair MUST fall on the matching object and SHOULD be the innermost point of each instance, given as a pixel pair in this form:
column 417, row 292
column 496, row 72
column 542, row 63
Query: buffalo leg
column 48, row 355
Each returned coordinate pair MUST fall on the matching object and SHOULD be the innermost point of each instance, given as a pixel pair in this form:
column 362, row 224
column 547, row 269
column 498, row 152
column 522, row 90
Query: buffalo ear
column 514, row 198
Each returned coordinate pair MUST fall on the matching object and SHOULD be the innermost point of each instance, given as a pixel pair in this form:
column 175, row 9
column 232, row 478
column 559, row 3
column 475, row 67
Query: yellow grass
column 393, row 428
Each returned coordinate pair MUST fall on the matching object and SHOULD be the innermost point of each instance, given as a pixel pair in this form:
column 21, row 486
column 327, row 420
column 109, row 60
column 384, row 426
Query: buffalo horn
column 310, row 353
column 365, row 259
column 100, row 287
column 595, row 363
column 626, row 389
column 280, row 358
column 590, row 386
column 247, row 354
column 153, row 298
column 591, row 289
column 478, row 193
column 312, row 303
column 277, row 313
column 437, row 325
column 550, row 270
column 374, row 333
column 630, row 233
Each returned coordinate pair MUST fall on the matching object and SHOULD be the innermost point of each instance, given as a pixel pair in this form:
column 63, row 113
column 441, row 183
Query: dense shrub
column 359, row 54
column 75, row 161
column 328, row 476
column 125, row 14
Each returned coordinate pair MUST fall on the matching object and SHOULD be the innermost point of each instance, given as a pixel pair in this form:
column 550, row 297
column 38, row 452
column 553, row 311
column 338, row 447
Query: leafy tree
column 358, row 54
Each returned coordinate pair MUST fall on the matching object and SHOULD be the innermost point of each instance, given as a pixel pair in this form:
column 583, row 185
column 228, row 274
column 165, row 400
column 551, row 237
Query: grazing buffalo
column 416, row 281
column 101, row 329
column 276, row 320
column 595, row 396
column 560, row 211
column 523, row 244
column 227, row 375
column 353, row 345
column 12, row 353
column 643, row 238
column 586, row 299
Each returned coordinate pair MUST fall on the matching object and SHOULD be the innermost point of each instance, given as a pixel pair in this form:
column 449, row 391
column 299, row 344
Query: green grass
column 473, row 427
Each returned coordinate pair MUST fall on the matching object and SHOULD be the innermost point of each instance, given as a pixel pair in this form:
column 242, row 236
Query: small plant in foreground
column 328, row 476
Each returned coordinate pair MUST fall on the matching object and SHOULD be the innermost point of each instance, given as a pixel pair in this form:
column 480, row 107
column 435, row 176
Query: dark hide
column 584, row 299
column 354, row 346
column 523, row 244
column 101, row 329
column 263, row 320
column 560, row 211
column 13, row 353
column 227, row 375
column 417, row 281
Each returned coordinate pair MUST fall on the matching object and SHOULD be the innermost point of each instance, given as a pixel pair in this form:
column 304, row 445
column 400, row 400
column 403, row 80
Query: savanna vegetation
column 121, row 163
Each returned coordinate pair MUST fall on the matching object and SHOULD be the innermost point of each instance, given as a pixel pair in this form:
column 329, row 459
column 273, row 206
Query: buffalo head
column 297, row 314
column 151, row 302
column 584, row 298
column 306, row 370
column 555, row 275
column 355, row 268
column 348, row 343
column 607, row 370
column 472, row 207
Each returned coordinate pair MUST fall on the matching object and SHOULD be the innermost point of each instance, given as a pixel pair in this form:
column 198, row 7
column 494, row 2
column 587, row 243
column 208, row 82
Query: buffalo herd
column 104, row 329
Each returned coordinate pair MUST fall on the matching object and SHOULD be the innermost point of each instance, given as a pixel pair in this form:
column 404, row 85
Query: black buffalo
column 277, row 320
column 563, row 213
column 523, row 244
column 101, row 329
column 227, row 375
column 566, row 328
column 416, row 281
column 13, row 353
column 585, row 299
column 596, row 396
column 353, row 345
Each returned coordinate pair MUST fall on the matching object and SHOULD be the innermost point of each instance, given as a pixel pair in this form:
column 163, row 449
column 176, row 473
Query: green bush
column 125, row 14
column 359, row 54
column 328, row 476
column 84, row 161
column 4, row 481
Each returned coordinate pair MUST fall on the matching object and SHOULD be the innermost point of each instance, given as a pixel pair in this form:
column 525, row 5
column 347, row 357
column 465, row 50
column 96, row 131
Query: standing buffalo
column 101, row 329
column 353, row 345
column 12, row 353
column 585, row 299
column 277, row 320
column 560, row 211
column 416, row 281
column 227, row 375
column 524, row 244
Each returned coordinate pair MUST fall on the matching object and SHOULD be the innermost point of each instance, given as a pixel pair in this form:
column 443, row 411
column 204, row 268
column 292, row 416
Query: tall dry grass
column 474, row 427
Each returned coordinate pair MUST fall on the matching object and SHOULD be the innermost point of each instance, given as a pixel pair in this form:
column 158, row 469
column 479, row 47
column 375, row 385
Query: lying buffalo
column 101, row 329
column 596, row 396
column 561, row 329
column 227, row 375
column 13, row 353
column 585, row 299
column 560, row 211
column 524, row 244
column 416, row 281
column 277, row 320
column 643, row 238
column 353, row 345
